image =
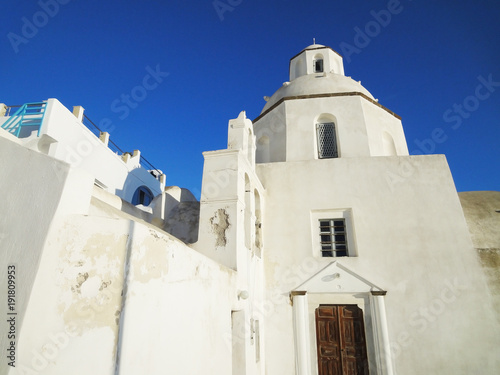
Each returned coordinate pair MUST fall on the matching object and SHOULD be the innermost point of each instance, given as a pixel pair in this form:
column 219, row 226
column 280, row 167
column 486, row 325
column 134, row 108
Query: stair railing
column 28, row 115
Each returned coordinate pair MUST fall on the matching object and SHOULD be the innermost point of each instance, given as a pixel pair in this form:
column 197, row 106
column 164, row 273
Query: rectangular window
column 333, row 237
column 318, row 66
column 327, row 140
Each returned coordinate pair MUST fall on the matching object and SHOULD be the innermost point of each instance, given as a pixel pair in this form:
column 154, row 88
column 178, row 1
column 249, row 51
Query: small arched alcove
column 262, row 156
column 248, row 213
column 388, row 144
column 258, row 224
column 142, row 195
column 299, row 69
column 251, row 147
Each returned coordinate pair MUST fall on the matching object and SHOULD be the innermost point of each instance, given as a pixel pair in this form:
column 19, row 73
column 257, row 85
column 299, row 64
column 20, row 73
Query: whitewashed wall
column 33, row 187
column 98, row 287
column 289, row 131
column 176, row 304
column 411, row 240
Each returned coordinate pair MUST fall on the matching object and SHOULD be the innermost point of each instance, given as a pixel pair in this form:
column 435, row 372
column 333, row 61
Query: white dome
column 313, row 46
column 313, row 84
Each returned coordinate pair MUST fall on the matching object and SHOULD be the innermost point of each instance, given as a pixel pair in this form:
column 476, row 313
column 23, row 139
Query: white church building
column 319, row 247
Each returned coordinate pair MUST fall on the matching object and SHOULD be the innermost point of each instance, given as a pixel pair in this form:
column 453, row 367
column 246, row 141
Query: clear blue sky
column 425, row 63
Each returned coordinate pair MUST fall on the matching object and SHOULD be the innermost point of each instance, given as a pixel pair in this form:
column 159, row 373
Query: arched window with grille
column 327, row 140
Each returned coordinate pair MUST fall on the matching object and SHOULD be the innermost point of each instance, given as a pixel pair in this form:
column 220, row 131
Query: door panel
column 341, row 342
column 328, row 339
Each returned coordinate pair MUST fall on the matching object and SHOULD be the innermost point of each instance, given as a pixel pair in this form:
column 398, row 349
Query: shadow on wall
column 136, row 179
column 182, row 214
column 176, row 211
column 482, row 213
column 32, row 194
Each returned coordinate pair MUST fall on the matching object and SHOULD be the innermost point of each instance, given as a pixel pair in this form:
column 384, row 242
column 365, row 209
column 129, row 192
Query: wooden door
column 341, row 343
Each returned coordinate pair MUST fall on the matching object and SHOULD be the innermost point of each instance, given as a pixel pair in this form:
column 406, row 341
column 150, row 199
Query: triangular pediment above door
column 335, row 278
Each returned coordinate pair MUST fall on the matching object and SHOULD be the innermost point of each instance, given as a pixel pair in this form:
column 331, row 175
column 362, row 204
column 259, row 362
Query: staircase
column 28, row 118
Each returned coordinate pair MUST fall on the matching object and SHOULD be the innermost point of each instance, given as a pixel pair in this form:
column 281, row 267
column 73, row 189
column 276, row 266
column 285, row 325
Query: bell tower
column 316, row 59
column 322, row 114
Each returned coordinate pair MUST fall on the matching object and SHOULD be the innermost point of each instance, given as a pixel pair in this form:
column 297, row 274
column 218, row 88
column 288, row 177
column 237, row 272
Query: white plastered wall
column 381, row 125
column 352, row 137
column 34, row 187
column 411, row 240
column 359, row 131
column 84, row 306
column 270, row 134
column 227, row 233
column 71, row 249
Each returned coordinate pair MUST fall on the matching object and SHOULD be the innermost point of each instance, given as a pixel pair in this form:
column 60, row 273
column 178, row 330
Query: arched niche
column 258, row 224
column 388, row 144
column 299, row 68
column 251, row 147
column 248, row 213
column 263, row 156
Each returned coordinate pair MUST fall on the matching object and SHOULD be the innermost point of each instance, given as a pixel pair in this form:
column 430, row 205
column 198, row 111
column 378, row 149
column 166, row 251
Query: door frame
column 336, row 284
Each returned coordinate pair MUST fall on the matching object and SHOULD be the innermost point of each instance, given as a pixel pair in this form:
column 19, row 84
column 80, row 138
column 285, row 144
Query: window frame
column 141, row 194
column 320, row 135
column 333, row 214
column 333, row 238
column 321, row 61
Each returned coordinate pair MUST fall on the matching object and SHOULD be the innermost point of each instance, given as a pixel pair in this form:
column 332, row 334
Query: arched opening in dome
column 318, row 65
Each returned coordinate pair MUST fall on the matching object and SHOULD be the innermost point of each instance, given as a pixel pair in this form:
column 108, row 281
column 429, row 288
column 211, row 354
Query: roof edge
column 312, row 96
column 312, row 49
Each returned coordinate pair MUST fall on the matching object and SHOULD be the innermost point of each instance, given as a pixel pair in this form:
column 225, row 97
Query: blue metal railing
column 28, row 118
column 114, row 147
column 10, row 109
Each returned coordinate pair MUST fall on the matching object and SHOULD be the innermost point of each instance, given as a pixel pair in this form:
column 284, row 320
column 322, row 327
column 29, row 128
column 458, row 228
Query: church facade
column 319, row 246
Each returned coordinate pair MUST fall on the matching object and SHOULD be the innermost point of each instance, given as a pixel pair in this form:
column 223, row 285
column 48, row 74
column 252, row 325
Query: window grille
column 333, row 237
column 327, row 142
